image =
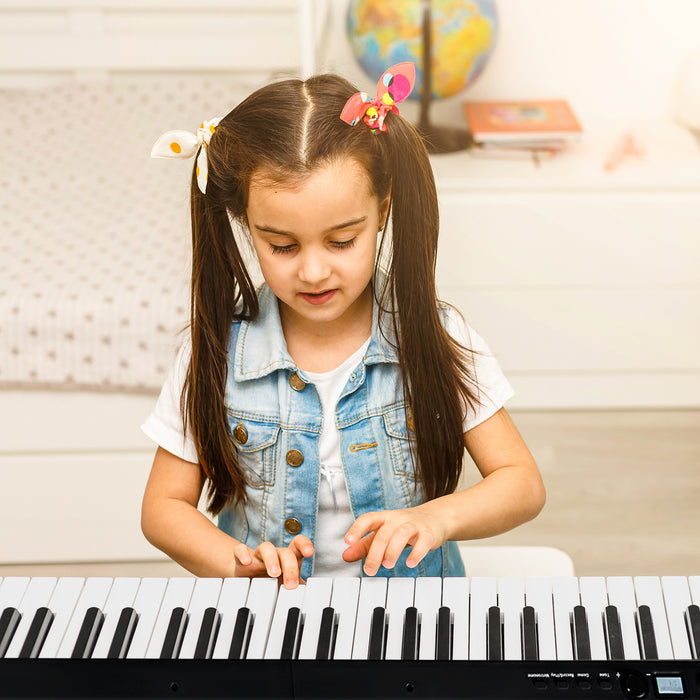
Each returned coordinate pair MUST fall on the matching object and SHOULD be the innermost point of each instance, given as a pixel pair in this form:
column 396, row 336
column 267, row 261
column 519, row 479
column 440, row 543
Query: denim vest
column 275, row 418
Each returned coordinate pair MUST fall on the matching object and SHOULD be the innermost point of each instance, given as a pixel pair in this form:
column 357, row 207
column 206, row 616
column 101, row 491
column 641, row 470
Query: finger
column 364, row 524
column 422, row 546
column 270, row 559
column 359, row 550
column 403, row 537
column 243, row 554
column 291, row 567
column 384, row 536
column 302, row 546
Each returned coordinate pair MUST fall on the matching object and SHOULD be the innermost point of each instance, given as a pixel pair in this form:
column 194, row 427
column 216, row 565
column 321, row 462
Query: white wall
column 607, row 56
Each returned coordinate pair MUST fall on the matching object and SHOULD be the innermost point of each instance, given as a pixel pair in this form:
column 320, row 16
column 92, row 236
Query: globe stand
column 437, row 139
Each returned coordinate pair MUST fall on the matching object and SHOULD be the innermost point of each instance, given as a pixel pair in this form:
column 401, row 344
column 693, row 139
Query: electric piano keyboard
column 615, row 637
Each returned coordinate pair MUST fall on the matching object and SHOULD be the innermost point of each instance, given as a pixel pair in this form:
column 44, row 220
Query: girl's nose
column 313, row 268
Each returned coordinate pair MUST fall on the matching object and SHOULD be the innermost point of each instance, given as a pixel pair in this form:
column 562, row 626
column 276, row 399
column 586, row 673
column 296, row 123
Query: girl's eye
column 345, row 244
column 281, row 248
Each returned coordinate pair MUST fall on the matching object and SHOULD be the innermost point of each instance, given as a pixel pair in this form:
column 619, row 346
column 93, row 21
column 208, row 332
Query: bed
column 94, row 242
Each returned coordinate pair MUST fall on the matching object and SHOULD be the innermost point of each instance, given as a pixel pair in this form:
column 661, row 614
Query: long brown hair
column 286, row 130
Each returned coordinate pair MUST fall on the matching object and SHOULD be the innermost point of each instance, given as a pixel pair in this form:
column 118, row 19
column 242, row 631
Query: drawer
column 592, row 238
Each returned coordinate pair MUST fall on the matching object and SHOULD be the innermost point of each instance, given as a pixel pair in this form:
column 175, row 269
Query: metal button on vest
column 292, row 526
column 294, row 458
column 296, row 382
column 240, row 434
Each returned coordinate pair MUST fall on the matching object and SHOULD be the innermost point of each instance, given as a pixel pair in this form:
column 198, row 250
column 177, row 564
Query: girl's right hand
column 282, row 563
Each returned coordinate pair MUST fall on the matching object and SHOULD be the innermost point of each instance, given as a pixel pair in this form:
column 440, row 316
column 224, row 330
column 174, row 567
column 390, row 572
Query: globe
column 385, row 32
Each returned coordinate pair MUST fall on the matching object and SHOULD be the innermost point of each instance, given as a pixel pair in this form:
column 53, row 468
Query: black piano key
column 174, row 634
column 326, row 634
column 645, row 633
column 494, row 634
column 692, row 623
column 36, row 636
column 443, row 651
column 377, row 635
column 411, row 634
column 528, row 634
column 89, row 631
column 9, row 621
column 208, row 633
column 123, row 634
column 241, row 634
column 613, row 634
column 291, row 633
column 581, row 638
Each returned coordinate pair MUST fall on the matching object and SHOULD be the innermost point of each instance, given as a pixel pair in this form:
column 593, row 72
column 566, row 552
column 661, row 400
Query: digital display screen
column 669, row 685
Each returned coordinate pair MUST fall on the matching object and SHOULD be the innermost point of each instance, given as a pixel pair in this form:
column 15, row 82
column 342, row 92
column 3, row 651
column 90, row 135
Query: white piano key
column 317, row 597
column 566, row 597
column 372, row 594
column 511, row 601
column 286, row 598
column 234, row 592
column 694, row 585
column 11, row 591
column 677, row 599
column 262, row 596
column 428, row 599
column 621, row 594
column 177, row 595
column 36, row 595
column 121, row 595
column 648, row 592
column 344, row 600
column 205, row 595
column 147, row 605
column 538, row 594
column 94, row 594
column 63, row 601
column 484, row 594
column 399, row 597
column 594, row 597
column 455, row 595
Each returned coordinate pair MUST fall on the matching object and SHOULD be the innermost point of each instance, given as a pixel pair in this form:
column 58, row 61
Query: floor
column 623, row 496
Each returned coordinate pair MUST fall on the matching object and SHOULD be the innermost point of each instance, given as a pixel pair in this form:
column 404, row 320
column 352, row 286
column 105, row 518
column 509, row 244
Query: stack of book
column 540, row 128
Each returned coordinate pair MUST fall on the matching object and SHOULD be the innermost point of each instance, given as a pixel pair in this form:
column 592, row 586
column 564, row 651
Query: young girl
column 327, row 411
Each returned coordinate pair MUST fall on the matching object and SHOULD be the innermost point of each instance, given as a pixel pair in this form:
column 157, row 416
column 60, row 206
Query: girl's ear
column 384, row 210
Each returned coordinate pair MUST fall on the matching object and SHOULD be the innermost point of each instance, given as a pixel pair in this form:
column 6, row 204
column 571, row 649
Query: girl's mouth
column 319, row 297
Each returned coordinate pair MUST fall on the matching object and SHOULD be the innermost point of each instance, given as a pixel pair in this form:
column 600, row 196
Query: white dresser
column 585, row 283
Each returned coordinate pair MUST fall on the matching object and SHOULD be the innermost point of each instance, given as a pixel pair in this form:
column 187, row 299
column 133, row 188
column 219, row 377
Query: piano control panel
column 622, row 638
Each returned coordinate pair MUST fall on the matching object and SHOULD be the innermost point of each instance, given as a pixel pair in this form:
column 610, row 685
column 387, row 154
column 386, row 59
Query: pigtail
column 436, row 381
column 221, row 291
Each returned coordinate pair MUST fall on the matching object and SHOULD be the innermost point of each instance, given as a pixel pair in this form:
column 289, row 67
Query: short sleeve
column 164, row 425
column 492, row 387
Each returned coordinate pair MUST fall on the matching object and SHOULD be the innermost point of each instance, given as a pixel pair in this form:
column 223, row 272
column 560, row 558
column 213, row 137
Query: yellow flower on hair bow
column 184, row 144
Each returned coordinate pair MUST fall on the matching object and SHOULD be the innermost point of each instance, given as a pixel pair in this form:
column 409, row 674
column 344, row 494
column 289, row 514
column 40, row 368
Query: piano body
column 481, row 637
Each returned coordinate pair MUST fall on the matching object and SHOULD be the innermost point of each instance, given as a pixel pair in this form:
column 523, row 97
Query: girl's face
column 317, row 242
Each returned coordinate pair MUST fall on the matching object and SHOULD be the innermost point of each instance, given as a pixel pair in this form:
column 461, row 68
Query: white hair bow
column 184, row 144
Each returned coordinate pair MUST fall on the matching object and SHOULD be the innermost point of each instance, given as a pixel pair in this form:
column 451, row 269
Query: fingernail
column 291, row 584
column 274, row 571
column 350, row 539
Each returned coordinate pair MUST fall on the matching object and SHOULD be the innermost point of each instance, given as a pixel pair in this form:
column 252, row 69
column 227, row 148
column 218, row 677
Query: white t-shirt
column 164, row 427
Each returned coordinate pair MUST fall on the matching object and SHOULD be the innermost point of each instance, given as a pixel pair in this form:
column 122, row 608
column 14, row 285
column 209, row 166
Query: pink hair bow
column 394, row 86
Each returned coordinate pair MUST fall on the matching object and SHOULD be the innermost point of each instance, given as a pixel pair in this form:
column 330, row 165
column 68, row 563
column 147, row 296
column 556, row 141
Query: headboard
column 50, row 39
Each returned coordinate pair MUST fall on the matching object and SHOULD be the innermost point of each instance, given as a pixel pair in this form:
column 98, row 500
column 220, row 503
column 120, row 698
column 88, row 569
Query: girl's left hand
column 381, row 537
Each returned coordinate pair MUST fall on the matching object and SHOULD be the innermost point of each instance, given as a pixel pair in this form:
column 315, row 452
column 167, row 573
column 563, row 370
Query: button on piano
column 480, row 637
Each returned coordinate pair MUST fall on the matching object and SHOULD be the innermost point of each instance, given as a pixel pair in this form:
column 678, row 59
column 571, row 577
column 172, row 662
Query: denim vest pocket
column 400, row 441
column 256, row 444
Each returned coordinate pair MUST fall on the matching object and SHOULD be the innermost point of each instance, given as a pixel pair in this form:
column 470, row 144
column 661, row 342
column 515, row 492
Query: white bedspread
column 94, row 234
